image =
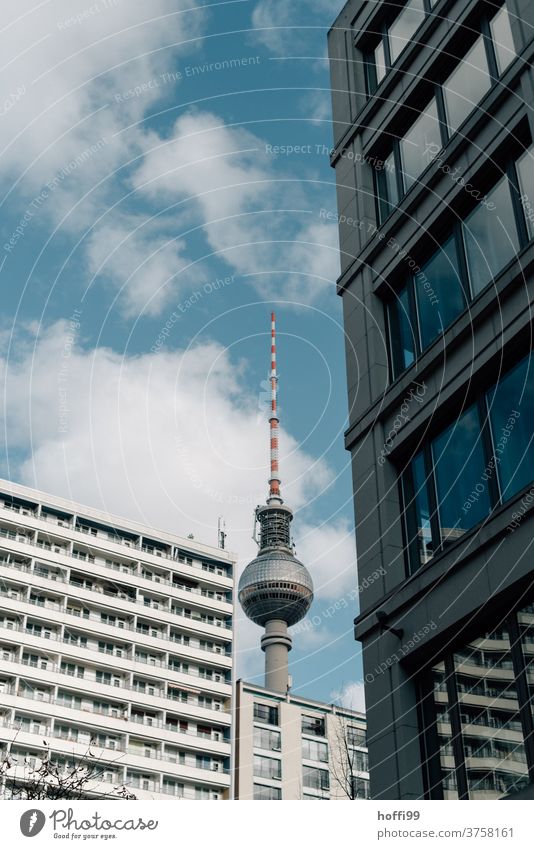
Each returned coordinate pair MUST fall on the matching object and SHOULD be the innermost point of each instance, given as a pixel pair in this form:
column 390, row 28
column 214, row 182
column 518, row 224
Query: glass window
column 316, row 778
column 467, row 85
column 267, row 767
column 402, row 333
column 511, row 411
column 386, row 180
column 360, row 788
column 525, row 173
column 314, row 750
column 503, row 41
column 490, row 236
column 262, row 792
column 420, row 145
column 264, row 738
column 376, row 67
column 404, row 26
column 461, row 477
column 266, row 713
column 356, row 736
column 439, row 292
column 419, row 532
column 313, row 725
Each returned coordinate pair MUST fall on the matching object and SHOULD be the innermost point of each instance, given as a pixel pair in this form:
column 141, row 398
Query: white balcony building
column 114, row 639
column 289, row 747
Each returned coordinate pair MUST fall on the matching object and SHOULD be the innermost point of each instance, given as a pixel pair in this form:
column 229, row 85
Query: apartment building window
column 360, row 761
column 452, row 102
column 314, row 725
column 262, row 792
column 315, row 778
column 266, row 739
column 313, row 750
column 270, row 768
column 470, row 256
column 72, row 669
column 477, row 713
column 360, row 788
column 174, row 788
column 479, row 462
column 356, row 736
column 266, row 713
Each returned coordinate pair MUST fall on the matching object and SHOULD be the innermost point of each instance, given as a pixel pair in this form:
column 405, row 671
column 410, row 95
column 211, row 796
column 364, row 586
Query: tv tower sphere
column 276, row 589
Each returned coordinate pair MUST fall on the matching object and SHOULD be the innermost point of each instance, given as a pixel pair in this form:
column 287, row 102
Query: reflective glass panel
column 404, row 26
column 440, row 297
column 402, row 333
column 418, row 514
column 490, row 236
column 503, row 41
column 420, row 145
column 462, row 492
column 467, row 85
column 511, row 410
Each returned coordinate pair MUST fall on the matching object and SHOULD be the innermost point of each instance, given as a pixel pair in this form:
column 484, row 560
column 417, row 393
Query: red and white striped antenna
column 274, row 480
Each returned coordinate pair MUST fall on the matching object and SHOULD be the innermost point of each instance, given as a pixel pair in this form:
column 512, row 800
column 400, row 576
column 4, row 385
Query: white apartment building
column 115, row 639
column 288, row 748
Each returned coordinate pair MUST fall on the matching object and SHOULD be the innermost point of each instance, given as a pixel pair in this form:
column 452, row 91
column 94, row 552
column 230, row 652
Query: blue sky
column 163, row 178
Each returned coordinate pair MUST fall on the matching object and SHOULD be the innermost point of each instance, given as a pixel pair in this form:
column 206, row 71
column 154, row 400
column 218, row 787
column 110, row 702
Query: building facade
column 116, row 646
column 290, row 748
column 433, row 126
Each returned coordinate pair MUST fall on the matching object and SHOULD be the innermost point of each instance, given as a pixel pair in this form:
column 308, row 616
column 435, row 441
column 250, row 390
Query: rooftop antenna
column 274, row 421
column 221, row 532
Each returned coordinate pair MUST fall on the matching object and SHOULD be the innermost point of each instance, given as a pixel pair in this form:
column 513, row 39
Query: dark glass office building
column 433, row 132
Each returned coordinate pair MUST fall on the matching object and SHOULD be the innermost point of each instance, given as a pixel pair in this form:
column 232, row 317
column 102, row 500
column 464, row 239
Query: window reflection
column 404, row 27
column 402, row 332
column 511, row 410
column 494, row 747
column 490, row 236
column 420, row 145
column 467, row 85
column 503, row 41
column 440, row 296
column 462, row 492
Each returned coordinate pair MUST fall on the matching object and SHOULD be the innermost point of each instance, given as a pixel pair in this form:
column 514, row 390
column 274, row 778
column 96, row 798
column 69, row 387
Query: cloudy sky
column 164, row 179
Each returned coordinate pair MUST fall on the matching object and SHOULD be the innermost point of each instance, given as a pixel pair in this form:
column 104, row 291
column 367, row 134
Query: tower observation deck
column 276, row 589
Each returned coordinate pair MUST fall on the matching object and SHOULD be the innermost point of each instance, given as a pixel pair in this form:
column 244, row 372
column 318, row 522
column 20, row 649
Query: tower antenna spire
column 274, row 421
column 275, row 589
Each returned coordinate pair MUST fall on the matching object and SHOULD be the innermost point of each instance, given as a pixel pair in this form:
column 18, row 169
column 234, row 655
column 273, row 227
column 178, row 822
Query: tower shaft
column 276, row 643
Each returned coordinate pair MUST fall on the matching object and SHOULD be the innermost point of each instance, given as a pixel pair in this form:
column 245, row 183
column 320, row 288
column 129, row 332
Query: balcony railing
column 60, row 579
column 217, row 677
column 89, row 676
column 117, row 540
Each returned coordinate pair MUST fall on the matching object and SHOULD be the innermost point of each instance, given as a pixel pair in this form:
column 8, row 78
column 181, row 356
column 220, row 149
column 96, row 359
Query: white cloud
column 67, row 61
column 350, row 696
column 256, row 217
column 142, row 262
column 279, row 24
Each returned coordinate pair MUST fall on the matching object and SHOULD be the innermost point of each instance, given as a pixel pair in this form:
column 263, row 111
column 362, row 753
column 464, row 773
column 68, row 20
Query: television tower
column 276, row 589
